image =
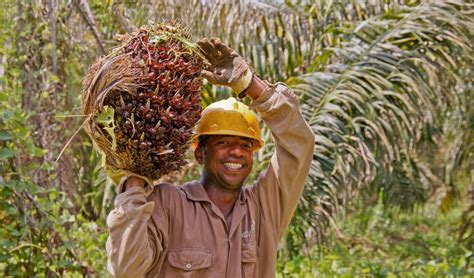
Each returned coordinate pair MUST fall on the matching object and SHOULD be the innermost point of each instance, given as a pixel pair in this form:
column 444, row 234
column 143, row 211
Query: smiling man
column 216, row 227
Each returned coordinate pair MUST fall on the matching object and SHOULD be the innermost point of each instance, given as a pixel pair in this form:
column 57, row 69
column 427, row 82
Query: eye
column 247, row 145
column 222, row 142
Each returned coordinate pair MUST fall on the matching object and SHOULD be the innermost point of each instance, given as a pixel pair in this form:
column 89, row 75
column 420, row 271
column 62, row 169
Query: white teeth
column 233, row 166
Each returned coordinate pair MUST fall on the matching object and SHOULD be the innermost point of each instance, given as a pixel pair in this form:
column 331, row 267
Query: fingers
column 221, row 62
column 214, row 49
column 209, row 76
column 222, row 48
column 207, row 49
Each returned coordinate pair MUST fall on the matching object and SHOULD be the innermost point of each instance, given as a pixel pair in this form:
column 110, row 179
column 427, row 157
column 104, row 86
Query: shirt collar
column 195, row 191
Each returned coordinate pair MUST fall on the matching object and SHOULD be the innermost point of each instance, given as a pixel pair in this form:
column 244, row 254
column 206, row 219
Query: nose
column 236, row 150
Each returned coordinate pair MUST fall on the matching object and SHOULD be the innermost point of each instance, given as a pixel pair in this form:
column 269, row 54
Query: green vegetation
column 385, row 85
column 381, row 243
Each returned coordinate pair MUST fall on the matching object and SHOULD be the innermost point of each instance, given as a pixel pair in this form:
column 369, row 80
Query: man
column 215, row 227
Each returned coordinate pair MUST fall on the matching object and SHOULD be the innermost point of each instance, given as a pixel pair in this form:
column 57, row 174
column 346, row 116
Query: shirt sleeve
column 134, row 242
column 281, row 185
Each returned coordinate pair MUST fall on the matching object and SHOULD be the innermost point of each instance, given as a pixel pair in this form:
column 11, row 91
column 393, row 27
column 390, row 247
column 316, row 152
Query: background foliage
column 385, row 85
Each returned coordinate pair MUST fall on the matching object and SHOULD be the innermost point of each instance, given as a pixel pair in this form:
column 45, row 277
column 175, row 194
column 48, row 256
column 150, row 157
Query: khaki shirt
column 178, row 232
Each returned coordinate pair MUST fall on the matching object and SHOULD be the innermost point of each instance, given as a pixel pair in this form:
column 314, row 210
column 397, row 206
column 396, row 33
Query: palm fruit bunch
column 143, row 100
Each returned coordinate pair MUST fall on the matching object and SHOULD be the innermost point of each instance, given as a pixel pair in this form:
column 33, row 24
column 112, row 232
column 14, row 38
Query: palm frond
column 368, row 110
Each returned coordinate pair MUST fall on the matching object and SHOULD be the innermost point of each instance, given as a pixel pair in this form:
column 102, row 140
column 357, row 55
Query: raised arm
column 280, row 186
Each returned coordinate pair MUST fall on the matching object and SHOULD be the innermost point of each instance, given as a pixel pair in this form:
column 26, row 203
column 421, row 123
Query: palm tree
column 378, row 109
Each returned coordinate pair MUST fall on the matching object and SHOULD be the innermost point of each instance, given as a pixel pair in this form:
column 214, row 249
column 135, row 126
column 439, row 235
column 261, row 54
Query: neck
column 223, row 199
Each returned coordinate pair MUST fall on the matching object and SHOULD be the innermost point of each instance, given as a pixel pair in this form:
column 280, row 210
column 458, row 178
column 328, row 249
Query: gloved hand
column 119, row 177
column 226, row 67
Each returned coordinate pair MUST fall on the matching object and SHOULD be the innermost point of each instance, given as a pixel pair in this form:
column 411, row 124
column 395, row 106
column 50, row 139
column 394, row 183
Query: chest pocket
column 190, row 260
column 249, row 259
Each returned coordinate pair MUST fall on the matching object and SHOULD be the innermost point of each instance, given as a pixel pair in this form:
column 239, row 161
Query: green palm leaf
column 367, row 110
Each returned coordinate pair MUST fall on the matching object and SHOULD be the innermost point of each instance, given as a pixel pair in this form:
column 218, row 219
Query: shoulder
column 166, row 191
column 173, row 198
column 249, row 191
column 167, row 187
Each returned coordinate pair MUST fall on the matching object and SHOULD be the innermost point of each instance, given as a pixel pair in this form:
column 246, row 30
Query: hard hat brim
column 258, row 145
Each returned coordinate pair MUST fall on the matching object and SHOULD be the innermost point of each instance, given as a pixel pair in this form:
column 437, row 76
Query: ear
column 199, row 154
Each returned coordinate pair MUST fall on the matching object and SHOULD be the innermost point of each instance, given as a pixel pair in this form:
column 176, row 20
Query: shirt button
column 188, row 266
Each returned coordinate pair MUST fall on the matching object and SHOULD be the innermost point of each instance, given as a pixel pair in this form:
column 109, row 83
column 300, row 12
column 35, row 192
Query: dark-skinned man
column 216, row 227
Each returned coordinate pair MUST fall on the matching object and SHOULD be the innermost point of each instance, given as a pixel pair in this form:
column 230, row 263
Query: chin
column 235, row 185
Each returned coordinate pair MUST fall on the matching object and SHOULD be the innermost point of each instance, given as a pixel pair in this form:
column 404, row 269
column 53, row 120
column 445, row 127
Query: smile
column 233, row 166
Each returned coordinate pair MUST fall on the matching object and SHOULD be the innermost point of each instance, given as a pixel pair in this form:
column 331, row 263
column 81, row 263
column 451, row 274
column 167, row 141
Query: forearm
column 129, row 251
column 283, row 182
column 256, row 88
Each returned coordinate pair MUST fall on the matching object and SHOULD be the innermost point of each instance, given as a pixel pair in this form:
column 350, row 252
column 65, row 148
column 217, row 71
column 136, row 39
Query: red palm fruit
column 154, row 122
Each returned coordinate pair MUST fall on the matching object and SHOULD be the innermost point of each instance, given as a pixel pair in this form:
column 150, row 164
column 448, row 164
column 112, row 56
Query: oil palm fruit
column 144, row 100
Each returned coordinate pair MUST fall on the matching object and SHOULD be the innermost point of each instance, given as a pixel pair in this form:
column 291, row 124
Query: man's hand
column 225, row 67
column 134, row 181
column 124, row 180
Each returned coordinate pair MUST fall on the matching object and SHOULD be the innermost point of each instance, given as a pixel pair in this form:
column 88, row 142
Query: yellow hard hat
column 229, row 117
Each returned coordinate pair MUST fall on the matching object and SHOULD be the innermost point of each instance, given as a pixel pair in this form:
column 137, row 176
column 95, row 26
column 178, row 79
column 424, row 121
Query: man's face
column 227, row 161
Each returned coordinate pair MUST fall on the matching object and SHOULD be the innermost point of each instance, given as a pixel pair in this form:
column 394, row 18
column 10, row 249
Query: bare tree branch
column 123, row 18
column 52, row 26
column 86, row 14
